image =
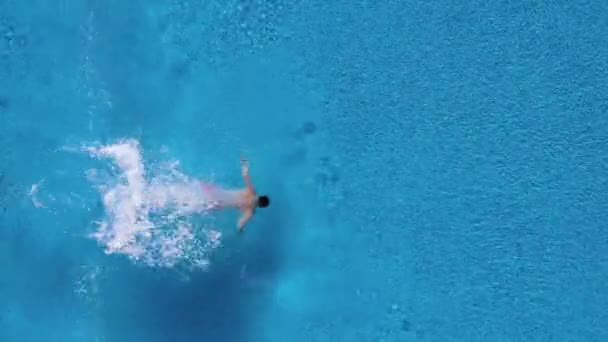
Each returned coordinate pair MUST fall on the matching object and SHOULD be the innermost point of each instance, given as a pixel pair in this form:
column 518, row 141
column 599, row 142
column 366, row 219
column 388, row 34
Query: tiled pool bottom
column 437, row 172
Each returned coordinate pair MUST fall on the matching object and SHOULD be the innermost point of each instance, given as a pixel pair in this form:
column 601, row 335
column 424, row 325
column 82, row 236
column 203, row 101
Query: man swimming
column 246, row 200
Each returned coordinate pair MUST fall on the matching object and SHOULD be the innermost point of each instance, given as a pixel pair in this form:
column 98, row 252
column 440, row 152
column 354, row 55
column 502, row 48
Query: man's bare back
column 246, row 200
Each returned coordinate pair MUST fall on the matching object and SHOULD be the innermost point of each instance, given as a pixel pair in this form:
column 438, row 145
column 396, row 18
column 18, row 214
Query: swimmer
column 246, row 200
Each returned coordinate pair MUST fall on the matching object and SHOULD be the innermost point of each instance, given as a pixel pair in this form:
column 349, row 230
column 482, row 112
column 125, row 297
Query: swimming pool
column 437, row 170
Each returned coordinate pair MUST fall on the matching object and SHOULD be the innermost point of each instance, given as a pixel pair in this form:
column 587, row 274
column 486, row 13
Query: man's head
column 263, row 201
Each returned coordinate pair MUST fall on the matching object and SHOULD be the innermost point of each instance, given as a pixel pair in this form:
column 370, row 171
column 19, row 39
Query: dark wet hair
column 263, row 201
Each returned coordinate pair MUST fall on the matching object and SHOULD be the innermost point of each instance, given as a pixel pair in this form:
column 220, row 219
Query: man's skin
column 248, row 199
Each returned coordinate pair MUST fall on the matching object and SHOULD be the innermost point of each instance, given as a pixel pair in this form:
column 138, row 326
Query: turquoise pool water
column 437, row 170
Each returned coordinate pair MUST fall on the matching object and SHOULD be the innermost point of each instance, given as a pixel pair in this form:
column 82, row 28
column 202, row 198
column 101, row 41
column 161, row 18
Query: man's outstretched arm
column 244, row 219
column 245, row 172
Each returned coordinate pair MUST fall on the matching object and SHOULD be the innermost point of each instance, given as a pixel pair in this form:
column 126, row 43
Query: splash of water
column 149, row 216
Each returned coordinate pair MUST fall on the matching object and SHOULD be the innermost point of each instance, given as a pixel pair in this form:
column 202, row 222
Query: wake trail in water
column 149, row 216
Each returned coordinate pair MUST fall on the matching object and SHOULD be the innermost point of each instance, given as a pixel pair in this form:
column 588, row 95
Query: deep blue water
column 437, row 170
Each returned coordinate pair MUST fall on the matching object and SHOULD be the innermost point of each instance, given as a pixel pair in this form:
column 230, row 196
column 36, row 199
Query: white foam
column 148, row 217
column 33, row 194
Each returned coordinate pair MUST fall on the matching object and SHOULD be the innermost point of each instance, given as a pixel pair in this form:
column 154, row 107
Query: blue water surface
column 437, row 169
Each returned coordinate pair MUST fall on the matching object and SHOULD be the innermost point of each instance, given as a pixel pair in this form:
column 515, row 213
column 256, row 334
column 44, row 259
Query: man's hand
column 244, row 166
